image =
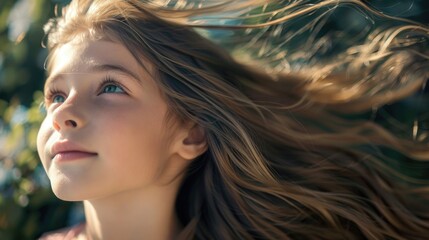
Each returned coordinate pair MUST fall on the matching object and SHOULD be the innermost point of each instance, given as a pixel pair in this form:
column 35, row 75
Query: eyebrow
column 101, row 68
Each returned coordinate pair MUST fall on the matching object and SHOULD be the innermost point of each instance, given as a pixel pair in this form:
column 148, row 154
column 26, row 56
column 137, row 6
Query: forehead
column 83, row 56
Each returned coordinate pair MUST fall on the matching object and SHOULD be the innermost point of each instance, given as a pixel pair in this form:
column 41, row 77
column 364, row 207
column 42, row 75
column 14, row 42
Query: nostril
column 56, row 126
column 71, row 123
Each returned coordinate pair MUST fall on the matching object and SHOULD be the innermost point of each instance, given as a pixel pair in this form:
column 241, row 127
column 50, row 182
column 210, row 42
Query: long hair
column 284, row 161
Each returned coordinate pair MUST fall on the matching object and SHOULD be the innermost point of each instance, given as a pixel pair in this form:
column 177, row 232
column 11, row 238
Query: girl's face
column 104, row 131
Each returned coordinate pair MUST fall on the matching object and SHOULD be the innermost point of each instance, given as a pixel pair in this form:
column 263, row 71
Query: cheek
column 134, row 145
column 43, row 135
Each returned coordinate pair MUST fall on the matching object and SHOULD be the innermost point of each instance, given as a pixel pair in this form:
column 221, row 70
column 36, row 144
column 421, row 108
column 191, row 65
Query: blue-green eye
column 58, row 99
column 112, row 88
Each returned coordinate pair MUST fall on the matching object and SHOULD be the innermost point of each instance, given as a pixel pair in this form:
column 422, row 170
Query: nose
column 67, row 124
column 68, row 115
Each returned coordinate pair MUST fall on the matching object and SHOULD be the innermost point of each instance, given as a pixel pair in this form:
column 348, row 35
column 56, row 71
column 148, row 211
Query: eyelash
column 53, row 91
column 109, row 80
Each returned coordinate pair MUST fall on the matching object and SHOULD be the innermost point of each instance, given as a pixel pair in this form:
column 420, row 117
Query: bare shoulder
column 68, row 233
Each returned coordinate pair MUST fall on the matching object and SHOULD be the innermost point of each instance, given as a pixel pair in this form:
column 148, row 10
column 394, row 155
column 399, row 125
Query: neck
column 147, row 214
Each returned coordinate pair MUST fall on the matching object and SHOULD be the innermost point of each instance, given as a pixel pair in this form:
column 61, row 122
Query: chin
column 67, row 196
column 68, row 193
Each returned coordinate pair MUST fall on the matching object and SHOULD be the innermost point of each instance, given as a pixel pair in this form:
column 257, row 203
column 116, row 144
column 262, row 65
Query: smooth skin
column 100, row 99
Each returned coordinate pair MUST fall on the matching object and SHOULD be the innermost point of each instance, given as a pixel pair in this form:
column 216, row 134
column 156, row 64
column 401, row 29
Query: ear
column 193, row 142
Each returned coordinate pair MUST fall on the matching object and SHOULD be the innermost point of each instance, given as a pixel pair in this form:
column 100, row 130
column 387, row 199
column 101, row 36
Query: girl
column 164, row 135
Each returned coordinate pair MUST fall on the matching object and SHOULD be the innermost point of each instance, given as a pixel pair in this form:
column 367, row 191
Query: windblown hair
column 285, row 159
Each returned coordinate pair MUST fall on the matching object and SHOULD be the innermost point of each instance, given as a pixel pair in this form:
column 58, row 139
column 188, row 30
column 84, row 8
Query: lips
column 67, row 151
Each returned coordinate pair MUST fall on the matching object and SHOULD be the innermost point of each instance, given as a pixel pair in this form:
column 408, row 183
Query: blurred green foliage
column 27, row 205
column 28, row 208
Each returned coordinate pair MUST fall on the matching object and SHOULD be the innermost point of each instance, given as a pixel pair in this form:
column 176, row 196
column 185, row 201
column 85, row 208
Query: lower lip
column 72, row 156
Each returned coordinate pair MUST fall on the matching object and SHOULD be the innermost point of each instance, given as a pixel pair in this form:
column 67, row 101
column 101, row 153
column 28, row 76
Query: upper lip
column 67, row 146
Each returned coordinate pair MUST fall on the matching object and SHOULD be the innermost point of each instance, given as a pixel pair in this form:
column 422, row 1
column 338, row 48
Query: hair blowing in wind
column 283, row 161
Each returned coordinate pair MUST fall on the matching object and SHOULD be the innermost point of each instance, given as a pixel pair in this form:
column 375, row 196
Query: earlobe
column 194, row 144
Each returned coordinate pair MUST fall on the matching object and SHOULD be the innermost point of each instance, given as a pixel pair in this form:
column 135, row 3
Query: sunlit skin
column 104, row 141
